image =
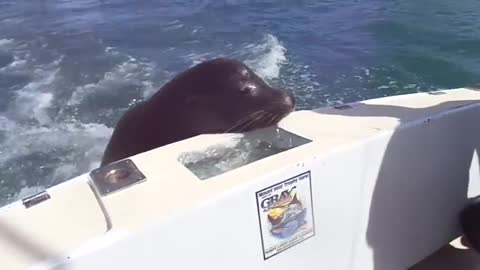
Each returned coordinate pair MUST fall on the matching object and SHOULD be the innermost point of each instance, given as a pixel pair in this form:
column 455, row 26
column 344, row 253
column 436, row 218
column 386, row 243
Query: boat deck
column 454, row 256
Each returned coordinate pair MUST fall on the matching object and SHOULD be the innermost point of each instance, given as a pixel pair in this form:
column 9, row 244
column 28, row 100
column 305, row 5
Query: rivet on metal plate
column 116, row 176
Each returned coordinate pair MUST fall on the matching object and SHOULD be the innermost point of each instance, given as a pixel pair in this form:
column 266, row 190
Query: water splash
column 37, row 150
column 267, row 57
column 129, row 72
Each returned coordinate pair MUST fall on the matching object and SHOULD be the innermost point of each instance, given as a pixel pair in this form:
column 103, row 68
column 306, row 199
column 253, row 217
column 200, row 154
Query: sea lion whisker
column 255, row 120
column 273, row 119
column 244, row 120
column 241, row 126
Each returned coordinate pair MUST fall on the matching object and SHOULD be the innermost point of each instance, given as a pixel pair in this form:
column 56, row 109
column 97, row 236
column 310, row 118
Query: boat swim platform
column 378, row 185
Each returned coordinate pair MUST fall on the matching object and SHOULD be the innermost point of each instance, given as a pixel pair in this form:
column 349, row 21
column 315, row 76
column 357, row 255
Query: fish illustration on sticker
column 287, row 216
column 285, row 212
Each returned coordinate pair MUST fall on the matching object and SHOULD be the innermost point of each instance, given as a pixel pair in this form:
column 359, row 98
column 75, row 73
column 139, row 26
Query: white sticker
column 285, row 213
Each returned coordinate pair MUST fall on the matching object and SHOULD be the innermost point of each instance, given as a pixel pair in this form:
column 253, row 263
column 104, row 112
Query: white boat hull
column 381, row 183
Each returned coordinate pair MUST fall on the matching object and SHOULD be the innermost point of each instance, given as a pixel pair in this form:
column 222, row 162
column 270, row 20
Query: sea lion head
column 225, row 95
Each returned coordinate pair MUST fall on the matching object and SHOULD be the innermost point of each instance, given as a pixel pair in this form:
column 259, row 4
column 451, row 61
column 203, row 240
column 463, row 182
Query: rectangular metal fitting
column 35, row 199
column 116, row 176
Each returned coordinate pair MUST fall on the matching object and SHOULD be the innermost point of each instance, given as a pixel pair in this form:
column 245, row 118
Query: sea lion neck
column 171, row 114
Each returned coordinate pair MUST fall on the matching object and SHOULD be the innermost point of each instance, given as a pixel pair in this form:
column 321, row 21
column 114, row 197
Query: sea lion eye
column 245, row 73
column 247, row 89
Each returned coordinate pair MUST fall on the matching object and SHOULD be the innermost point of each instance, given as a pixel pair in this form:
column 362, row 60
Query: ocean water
column 69, row 69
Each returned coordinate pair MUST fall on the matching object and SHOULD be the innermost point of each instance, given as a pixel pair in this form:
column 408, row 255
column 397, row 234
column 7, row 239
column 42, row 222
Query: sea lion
column 221, row 95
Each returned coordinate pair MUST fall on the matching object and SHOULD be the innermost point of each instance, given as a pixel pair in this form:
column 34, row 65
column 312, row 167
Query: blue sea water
column 69, row 69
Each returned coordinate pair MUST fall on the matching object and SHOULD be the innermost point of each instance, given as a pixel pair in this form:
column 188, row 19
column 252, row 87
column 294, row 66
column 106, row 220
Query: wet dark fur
column 216, row 96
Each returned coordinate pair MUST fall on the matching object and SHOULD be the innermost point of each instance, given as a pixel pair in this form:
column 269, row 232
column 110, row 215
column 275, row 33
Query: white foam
column 18, row 64
column 111, row 50
column 20, row 194
column 197, row 58
column 63, row 172
column 149, row 89
column 27, row 191
column 6, row 124
column 131, row 71
column 173, row 25
column 6, row 42
column 34, row 105
column 270, row 55
column 35, row 98
column 24, row 139
column 367, row 71
column 27, row 131
column 74, row 149
column 300, row 80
